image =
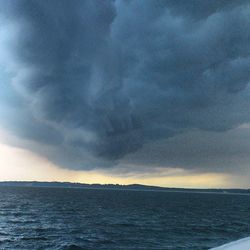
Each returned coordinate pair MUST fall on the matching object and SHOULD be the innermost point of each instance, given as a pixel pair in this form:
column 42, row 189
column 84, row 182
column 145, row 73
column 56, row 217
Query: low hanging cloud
column 94, row 81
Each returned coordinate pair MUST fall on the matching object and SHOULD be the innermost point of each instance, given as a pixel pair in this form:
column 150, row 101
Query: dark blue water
column 50, row 218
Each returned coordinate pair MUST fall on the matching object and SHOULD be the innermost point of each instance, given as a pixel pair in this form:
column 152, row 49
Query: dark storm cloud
column 107, row 77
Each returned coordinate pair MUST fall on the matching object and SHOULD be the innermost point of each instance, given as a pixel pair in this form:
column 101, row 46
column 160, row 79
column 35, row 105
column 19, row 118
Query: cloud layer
column 94, row 81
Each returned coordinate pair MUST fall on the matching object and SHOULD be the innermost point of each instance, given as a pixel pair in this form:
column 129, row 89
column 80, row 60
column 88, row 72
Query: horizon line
column 122, row 185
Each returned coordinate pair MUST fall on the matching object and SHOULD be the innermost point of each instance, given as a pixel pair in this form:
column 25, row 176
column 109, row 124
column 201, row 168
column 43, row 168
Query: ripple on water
column 72, row 247
column 104, row 219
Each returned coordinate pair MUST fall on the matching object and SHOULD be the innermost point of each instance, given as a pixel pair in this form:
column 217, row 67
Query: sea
column 73, row 219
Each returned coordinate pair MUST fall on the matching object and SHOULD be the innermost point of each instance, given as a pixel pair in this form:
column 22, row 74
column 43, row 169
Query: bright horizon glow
column 18, row 164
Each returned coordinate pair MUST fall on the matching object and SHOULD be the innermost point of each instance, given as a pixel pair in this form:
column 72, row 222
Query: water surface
column 61, row 218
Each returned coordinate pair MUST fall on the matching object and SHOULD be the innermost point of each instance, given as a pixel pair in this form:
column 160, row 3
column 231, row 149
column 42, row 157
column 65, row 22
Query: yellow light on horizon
column 21, row 164
column 18, row 164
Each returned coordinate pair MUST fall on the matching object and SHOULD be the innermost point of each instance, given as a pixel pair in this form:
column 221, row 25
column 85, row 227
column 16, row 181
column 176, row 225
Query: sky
column 114, row 91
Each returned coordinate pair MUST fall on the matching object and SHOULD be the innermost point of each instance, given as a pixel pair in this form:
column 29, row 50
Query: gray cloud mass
column 98, row 80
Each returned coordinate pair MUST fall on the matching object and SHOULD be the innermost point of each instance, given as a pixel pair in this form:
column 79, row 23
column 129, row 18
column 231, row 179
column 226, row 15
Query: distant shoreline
column 131, row 187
